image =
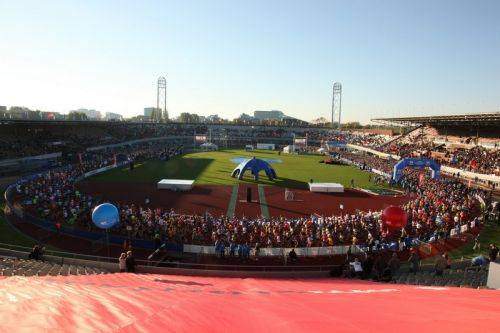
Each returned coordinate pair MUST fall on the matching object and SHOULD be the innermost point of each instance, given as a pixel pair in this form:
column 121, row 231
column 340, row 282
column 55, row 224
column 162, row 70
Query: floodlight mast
column 337, row 103
column 161, row 100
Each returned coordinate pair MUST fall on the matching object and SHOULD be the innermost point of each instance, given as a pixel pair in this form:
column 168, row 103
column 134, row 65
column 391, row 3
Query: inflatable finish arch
column 419, row 163
column 255, row 165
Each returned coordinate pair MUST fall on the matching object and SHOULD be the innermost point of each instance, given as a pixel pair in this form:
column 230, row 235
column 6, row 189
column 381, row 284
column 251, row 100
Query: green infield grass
column 214, row 168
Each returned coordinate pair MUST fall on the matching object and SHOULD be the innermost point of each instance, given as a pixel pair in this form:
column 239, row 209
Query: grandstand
column 480, row 120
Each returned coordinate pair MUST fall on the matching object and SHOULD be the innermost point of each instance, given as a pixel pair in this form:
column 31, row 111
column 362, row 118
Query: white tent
column 208, row 146
column 289, row 149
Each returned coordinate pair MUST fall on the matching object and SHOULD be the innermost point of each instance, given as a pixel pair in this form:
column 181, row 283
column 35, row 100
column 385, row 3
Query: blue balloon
column 105, row 216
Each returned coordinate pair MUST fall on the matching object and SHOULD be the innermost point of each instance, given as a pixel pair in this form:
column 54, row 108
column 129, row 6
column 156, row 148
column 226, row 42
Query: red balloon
column 394, row 217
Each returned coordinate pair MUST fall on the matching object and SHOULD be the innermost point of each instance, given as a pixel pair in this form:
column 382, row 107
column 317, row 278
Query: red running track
column 215, row 199
column 201, row 199
column 327, row 204
column 244, row 208
column 163, row 303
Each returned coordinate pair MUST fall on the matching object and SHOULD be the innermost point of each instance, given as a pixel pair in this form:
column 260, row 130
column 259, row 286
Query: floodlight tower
column 337, row 103
column 161, row 99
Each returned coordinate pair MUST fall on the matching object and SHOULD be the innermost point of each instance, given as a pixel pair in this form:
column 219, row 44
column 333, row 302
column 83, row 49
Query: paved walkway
column 232, row 201
column 263, row 204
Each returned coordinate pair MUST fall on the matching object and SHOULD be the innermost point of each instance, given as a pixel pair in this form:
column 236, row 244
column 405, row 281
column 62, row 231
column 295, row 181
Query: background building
column 113, row 116
column 90, row 113
column 151, row 111
column 269, row 115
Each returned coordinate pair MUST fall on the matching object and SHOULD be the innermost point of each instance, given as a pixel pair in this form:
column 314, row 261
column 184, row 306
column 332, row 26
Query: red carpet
column 154, row 303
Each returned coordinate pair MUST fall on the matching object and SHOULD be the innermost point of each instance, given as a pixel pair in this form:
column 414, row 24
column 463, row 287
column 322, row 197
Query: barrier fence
column 111, row 263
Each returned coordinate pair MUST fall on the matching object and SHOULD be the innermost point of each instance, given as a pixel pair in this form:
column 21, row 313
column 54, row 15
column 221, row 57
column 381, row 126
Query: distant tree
column 195, row 118
column 352, row 125
column 77, row 116
column 186, row 117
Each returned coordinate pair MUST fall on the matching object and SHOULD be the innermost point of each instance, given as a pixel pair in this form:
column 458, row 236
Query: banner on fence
column 266, row 146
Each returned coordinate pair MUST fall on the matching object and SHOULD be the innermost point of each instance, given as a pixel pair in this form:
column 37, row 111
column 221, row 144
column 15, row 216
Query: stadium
column 249, row 166
column 192, row 204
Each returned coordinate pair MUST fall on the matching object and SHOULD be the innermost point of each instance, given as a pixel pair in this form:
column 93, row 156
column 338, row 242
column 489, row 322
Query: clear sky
column 394, row 58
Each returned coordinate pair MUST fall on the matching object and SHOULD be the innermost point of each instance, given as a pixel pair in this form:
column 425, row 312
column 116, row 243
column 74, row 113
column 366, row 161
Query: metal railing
column 173, row 264
column 62, row 254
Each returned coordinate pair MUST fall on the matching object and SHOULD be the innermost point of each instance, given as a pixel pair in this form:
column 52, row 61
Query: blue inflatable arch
column 255, row 165
column 418, row 163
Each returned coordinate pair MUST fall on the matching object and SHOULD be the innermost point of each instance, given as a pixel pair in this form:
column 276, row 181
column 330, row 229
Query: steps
column 22, row 267
column 461, row 277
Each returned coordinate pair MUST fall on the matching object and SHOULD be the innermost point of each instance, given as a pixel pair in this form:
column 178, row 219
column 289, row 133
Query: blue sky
column 394, row 58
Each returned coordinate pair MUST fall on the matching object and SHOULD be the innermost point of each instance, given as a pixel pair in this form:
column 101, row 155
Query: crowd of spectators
column 30, row 140
column 20, row 140
column 477, row 159
column 356, row 138
column 436, row 208
column 53, row 196
column 367, row 161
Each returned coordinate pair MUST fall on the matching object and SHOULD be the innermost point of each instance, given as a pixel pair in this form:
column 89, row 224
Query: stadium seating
column 10, row 266
column 454, row 277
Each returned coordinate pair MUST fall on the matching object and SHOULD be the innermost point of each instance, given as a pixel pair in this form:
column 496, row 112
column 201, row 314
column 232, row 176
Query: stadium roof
column 479, row 119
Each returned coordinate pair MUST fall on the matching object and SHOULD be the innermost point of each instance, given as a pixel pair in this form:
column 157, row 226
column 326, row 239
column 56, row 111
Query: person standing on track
column 122, row 262
column 130, row 262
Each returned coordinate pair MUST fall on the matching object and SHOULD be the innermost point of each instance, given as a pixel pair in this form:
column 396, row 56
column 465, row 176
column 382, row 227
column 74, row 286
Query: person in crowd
column 367, row 266
column 357, row 268
column 414, row 261
column 493, row 252
column 130, row 262
column 220, row 248
column 292, row 256
column 394, row 264
column 122, row 262
column 379, row 267
column 157, row 241
column 479, row 261
column 477, row 244
column 246, row 251
column 448, row 260
column 36, row 253
column 257, row 251
column 440, row 265
column 232, row 248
